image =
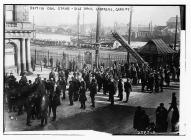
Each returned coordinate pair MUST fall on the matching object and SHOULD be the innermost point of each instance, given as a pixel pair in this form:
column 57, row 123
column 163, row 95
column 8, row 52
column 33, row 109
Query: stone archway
column 15, row 52
column 11, row 57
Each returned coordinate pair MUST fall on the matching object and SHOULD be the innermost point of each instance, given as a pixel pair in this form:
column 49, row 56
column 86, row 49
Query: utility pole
column 175, row 38
column 129, row 37
column 176, row 32
column 98, row 26
column 97, row 38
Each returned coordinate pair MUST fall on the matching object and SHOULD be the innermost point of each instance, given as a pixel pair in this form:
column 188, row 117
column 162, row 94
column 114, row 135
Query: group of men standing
column 152, row 80
column 107, row 81
column 142, row 122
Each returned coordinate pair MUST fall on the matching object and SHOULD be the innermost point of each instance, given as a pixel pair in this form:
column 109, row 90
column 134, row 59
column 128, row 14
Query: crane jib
column 124, row 43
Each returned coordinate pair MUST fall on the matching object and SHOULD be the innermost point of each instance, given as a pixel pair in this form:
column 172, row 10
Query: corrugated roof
column 156, row 46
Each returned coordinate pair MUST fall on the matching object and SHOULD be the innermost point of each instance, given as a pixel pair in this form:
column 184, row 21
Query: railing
column 18, row 26
column 107, row 58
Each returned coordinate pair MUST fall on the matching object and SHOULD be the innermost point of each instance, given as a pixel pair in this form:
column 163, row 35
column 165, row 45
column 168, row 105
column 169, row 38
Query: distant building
column 170, row 27
column 171, row 23
column 158, row 30
column 18, row 31
column 46, row 29
column 143, row 31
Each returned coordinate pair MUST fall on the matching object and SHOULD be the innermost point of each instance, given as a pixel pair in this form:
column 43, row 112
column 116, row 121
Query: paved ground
column 103, row 118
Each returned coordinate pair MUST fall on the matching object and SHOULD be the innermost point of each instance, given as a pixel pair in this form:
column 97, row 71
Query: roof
column 156, row 46
column 143, row 29
column 173, row 19
column 160, row 27
column 134, row 44
column 137, row 44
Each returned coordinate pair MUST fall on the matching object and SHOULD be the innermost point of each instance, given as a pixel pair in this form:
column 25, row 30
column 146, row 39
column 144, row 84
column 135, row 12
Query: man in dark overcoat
column 82, row 95
column 52, row 75
column 112, row 90
column 161, row 118
column 128, row 89
column 29, row 110
column 93, row 91
column 173, row 103
column 71, row 92
column 120, row 90
column 55, row 101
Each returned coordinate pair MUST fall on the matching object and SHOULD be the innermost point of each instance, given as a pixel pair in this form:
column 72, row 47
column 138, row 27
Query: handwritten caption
column 78, row 8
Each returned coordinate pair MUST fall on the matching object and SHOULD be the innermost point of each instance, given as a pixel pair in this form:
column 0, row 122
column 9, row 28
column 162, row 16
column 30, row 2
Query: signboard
column 88, row 57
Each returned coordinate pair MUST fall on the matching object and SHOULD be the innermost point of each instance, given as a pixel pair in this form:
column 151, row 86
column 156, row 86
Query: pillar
column 23, row 56
column 18, row 53
column 28, row 55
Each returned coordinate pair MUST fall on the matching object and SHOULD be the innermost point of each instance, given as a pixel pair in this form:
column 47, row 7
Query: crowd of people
column 45, row 42
column 61, row 43
column 78, row 82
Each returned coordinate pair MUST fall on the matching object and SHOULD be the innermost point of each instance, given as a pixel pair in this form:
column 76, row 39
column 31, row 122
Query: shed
column 156, row 52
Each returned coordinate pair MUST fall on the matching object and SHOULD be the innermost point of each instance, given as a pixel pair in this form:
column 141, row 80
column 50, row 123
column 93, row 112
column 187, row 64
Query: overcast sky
column 141, row 15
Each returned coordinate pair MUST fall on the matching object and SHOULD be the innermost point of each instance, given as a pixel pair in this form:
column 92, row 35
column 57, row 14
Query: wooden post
column 48, row 57
column 91, row 61
column 109, row 60
column 35, row 56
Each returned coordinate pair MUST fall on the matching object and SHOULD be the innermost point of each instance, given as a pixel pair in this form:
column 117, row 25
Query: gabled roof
column 156, row 46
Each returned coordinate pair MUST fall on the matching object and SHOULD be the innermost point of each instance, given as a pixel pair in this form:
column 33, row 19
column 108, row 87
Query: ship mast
column 78, row 29
column 97, row 38
column 129, row 36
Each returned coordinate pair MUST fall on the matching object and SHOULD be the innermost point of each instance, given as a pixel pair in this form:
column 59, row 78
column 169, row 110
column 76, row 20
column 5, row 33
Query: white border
column 185, row 64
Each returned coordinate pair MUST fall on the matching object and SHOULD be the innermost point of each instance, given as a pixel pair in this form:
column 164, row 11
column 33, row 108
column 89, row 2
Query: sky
column 142, row 15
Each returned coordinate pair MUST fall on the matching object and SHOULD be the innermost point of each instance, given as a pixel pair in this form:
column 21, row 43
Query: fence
column 80, row 58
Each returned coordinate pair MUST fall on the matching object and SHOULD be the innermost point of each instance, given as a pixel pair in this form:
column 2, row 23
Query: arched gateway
column 18, row 31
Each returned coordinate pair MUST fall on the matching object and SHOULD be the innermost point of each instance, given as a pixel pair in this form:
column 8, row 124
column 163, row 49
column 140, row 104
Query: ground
column 102, row 118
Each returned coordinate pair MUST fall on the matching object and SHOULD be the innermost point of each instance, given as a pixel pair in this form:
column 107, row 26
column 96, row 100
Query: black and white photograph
column 107, row 68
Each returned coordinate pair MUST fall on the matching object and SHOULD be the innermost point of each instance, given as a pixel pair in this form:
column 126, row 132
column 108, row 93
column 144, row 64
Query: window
column 9, row 13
